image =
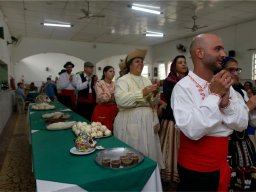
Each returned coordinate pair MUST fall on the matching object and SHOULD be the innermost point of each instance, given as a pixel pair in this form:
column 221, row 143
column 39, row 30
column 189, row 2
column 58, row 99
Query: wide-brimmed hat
column 88, row 64
column 140, row 53
column 69, row 63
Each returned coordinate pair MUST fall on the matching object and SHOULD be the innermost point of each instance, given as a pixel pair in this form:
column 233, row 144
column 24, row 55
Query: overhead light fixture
column 145, row 8
column 57, row 25
column 153, row 34
column 53, row 23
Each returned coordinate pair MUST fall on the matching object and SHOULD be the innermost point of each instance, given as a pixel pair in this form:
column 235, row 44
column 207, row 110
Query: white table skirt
column 153, row 184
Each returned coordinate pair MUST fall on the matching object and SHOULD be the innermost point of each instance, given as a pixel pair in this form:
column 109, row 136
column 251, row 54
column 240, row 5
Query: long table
column 56, row 169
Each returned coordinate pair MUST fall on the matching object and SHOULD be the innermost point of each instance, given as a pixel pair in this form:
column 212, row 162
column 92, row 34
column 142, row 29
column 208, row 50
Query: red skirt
column 205, row 155
column 105, row 114
column 71, row 94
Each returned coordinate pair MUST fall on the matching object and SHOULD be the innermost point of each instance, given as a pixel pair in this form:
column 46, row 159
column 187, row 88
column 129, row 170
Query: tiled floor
column 15, row 157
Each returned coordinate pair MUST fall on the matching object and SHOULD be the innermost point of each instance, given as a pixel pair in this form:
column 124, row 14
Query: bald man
column 206, row 110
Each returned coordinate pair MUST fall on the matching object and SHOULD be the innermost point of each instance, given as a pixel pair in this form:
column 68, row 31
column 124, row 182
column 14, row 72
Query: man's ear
column 200, row 53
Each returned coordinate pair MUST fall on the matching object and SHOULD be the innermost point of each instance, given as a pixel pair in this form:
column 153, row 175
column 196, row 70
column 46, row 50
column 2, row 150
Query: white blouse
column 252, row 114
column 129, row 94
column 197, row 112
column 65, row 83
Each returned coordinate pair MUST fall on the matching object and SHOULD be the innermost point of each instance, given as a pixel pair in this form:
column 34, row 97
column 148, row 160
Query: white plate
column 74, row 151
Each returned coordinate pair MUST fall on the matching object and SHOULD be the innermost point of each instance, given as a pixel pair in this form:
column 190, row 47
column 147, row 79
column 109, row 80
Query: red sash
column 90, row 99
column 105, row 113
column 71, row 94
column 206, row 155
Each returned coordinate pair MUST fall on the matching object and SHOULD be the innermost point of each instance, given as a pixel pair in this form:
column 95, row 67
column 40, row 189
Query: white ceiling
column 122, row 25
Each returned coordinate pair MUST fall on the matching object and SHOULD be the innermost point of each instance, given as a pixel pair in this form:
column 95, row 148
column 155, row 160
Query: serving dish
column 119, row 158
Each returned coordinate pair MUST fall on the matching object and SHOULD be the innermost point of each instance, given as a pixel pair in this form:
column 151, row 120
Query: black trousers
column 197, row 181
column 85, row 109
column 65, row 100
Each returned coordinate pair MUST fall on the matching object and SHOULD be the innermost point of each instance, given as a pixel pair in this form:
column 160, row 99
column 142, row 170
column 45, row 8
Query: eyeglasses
column 233, row 70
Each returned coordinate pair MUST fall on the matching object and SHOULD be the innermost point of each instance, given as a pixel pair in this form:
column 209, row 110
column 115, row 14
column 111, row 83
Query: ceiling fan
column 195, row 27
column 88, row 14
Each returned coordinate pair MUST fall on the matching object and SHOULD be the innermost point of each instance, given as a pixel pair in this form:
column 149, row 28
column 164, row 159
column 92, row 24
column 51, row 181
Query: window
column 145, row 71
column 168, row 67
column 254, row 66
column 161, row 71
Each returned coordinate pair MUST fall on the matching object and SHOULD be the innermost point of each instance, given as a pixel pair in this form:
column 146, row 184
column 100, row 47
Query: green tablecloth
column 53, row 162
column 37, row 122
column 32, row 95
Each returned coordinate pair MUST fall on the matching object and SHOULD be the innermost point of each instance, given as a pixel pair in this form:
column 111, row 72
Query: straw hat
column 140, row 53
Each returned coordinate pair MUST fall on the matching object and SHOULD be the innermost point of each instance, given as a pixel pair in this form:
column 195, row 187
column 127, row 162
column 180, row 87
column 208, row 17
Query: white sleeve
column 63, row 82
column 79, row 84
column 235, row 115
column 196, row 121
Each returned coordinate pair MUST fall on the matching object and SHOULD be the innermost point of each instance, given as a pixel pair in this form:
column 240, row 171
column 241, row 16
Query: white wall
column 34, row 68
column 38, row 67
column 99, row 54
column 239, row 37
column 112, row 61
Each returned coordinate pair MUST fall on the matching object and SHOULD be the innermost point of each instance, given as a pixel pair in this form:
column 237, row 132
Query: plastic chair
column 20, row 104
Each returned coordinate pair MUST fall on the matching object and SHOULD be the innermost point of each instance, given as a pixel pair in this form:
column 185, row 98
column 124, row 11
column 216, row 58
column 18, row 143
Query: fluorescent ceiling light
column 57, row 25
column 144, row 8
column 153, row 34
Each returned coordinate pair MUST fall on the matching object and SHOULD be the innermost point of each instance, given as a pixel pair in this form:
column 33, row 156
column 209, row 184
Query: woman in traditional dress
column 168, row 134
column 137, row 123
column 106, row 109
column 251, row 130
column 242, row 156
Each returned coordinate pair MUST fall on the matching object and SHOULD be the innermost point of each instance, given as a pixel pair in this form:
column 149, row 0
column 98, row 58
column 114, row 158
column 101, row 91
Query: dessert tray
column 42, row 106
column 60, row 125
column 55, row 117
column 95, row 129
column 119, row 158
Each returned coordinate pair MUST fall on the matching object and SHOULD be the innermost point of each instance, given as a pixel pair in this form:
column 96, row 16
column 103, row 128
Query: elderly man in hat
column 67, row 85
column 86, row 100
column 136, row 122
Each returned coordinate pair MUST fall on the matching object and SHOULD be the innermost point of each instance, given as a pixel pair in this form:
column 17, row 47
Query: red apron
column 71, row 94
column 105, row 114
column 206, row 155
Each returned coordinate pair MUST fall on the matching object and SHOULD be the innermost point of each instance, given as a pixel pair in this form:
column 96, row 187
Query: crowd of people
column 204, row 137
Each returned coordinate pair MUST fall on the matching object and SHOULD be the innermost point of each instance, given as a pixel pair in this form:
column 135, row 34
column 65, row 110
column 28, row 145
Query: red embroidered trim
column 200, row 88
